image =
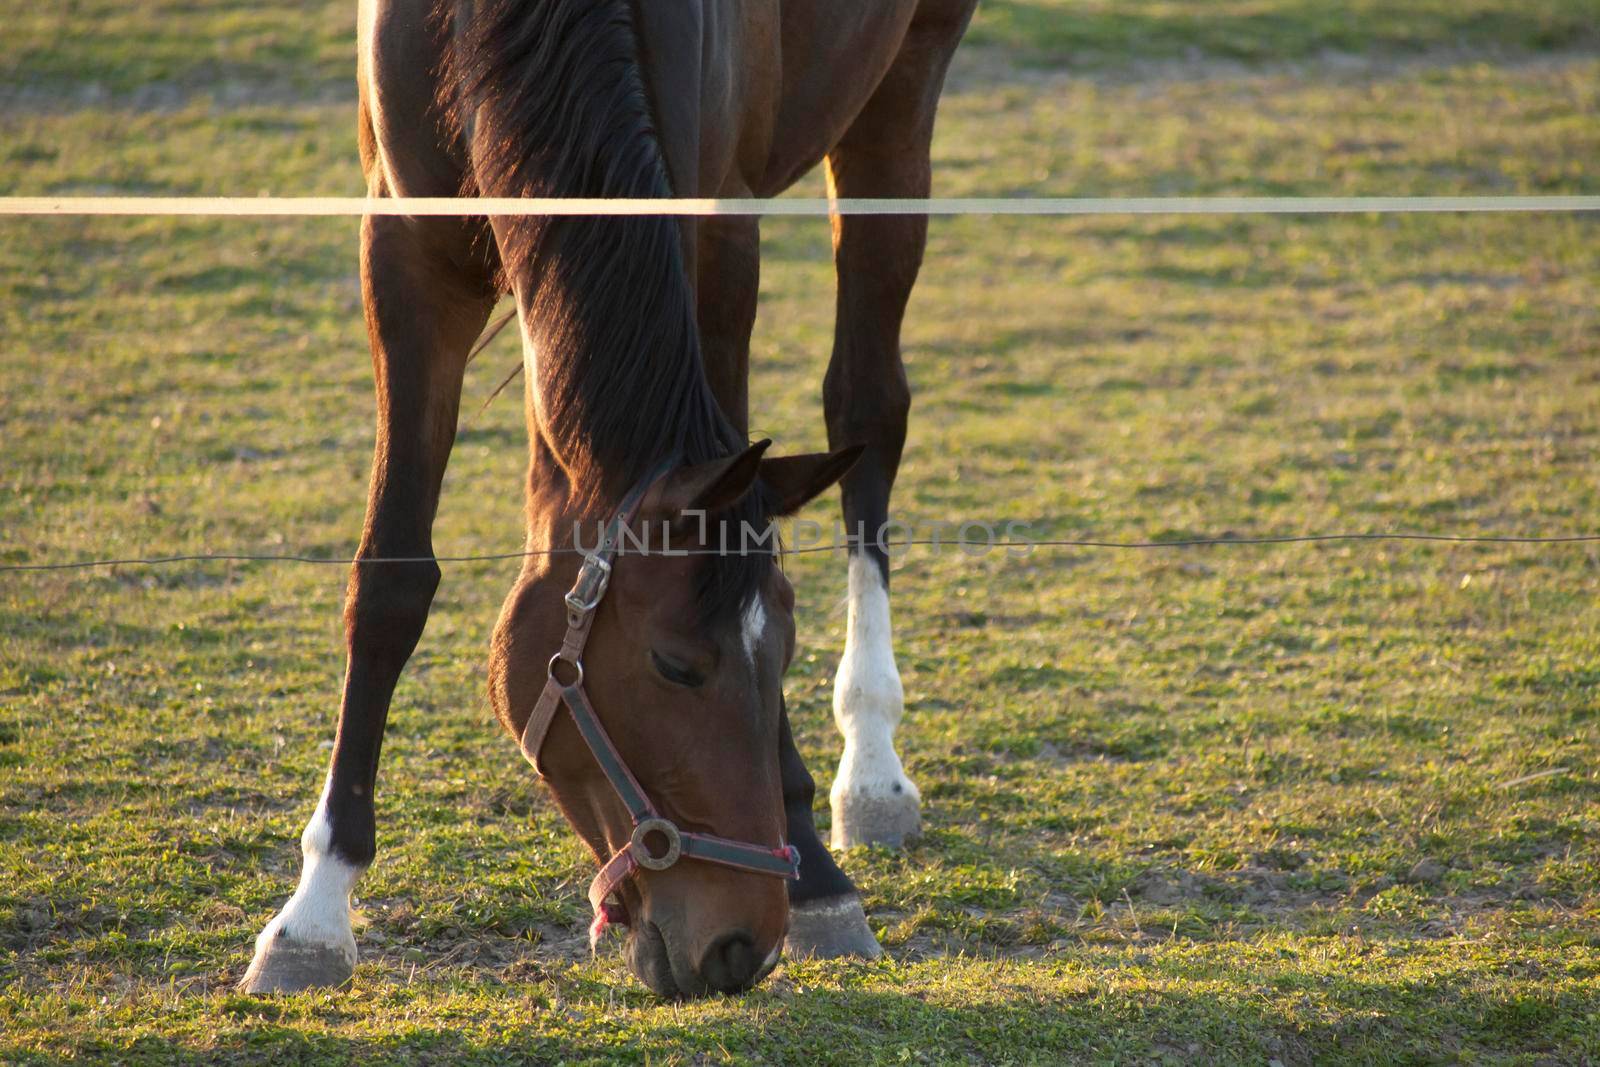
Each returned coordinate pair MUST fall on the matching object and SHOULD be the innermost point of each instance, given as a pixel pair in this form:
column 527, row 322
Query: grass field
column 1227, row 805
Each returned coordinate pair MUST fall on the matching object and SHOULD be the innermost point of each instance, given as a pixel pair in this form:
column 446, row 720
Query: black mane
column 554, row 97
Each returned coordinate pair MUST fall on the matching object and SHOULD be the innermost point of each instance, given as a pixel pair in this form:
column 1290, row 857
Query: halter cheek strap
column 657, row 843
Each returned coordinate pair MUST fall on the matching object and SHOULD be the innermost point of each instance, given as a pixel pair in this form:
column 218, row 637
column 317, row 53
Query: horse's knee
column 387, row 607
column 867, row 401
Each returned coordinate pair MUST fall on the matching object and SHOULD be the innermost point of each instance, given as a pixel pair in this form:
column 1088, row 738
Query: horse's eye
column 675, row 672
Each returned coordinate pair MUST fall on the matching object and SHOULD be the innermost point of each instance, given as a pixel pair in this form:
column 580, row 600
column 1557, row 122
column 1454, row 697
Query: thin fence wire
column 352, row 206
column 892, row 546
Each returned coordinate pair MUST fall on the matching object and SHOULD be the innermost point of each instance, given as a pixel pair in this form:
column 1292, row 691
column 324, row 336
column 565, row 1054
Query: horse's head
column 683, row 666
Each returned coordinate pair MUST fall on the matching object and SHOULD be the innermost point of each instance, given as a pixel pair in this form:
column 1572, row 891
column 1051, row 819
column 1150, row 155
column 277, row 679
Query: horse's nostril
column 731, row 963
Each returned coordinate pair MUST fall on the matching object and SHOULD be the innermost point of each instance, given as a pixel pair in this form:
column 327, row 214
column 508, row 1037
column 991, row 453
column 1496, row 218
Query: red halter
column 648, row 823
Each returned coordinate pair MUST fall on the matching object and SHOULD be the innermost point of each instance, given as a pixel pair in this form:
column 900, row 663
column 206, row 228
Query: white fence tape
column 1158, row 205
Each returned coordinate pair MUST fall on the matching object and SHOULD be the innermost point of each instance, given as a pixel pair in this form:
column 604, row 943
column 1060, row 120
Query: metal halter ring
column 576, row 664
column 641, row 851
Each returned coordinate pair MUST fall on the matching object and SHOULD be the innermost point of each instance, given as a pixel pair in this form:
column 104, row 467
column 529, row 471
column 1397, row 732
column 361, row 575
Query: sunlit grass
column 1236, row 804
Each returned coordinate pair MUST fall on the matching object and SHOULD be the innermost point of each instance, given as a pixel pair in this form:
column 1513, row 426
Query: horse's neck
column 554, row 509
column 618, row 381
column 606, row 303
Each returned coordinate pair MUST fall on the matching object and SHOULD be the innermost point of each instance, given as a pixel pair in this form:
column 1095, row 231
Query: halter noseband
column 648, row 823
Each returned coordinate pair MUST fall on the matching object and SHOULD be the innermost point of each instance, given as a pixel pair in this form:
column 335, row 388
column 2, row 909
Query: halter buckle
column 641, row 851
column 589, row 589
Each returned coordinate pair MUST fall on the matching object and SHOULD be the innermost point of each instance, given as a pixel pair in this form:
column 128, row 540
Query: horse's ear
column 707, row 487
column 793, row 481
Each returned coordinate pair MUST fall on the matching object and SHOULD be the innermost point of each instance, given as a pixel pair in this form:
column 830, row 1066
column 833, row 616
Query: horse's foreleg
column 825, row 914
column 867, row 400
column 421, row 319
column 728, row 262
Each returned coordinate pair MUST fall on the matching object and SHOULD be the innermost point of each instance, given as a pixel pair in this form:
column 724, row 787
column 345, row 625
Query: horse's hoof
column 284, row 966
column 830, row 928
column 865, row 819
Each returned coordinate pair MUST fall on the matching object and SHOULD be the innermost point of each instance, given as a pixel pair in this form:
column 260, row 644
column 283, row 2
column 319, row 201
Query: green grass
column 1098, row 33
column 78, row 51
column 81, row 51
column 1178, row 803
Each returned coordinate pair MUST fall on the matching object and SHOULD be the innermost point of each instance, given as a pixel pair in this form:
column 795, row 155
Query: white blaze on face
column 867, row 696
column 319, row 911
column 755, row 624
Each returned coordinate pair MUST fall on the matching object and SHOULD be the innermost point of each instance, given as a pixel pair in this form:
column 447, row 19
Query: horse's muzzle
column 731, row 964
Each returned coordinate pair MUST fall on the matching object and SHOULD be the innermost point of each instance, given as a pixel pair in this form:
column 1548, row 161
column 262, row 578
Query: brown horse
column 636, row 338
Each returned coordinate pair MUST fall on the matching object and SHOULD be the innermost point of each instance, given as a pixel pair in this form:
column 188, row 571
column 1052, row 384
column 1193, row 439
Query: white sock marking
column 868, row 699
column 319, row 911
